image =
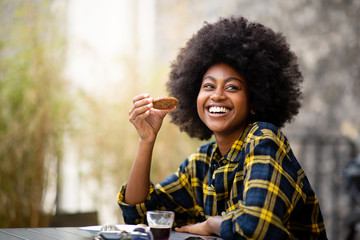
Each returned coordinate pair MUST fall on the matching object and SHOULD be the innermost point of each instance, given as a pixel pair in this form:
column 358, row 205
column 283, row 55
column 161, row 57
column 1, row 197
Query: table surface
column 70, row 233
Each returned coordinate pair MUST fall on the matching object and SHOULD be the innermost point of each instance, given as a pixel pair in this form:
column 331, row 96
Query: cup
column 160, row 223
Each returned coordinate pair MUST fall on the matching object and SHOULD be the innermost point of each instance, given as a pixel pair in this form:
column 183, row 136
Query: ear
column 252, row 110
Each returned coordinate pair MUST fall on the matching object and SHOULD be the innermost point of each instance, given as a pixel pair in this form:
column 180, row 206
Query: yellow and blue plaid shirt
column 258, row 186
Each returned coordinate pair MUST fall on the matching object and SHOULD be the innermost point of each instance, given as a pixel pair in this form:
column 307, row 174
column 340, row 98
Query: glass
column 160, row 223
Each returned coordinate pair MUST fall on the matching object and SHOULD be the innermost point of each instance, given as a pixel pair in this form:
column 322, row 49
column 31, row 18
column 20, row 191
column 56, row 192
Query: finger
column 141, row 104
column 139, row 100
column 138, row 118
column 182, row 229
column 140, row 96
column 140, row 113
column 162, row 113
column 179, row 229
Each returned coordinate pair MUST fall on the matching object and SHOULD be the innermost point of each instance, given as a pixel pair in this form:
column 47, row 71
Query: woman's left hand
column 209, row 227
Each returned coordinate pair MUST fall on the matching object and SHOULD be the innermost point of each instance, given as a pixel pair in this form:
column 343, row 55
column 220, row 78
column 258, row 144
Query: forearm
column 139, row 179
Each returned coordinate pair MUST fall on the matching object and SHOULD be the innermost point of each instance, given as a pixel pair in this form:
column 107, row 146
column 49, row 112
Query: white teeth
column 218, row 110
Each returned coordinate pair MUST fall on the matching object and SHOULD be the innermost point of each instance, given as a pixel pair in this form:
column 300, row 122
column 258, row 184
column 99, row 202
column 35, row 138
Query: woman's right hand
column 146, row 119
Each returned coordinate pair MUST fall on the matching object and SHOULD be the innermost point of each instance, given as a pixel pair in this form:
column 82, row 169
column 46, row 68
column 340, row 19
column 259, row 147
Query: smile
column 218, row 110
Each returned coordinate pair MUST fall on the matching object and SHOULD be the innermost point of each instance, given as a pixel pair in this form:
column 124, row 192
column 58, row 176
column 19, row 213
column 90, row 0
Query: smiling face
column 223, row 101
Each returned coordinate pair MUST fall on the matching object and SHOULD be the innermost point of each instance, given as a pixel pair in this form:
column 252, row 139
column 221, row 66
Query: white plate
column 111, row 235
column 94, row 230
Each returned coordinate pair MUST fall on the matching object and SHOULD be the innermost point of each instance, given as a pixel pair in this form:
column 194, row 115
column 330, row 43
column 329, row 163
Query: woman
column 238, row 81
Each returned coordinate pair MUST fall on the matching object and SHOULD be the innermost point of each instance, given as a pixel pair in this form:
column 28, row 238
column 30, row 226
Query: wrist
column 148, row 140
column 213, row 224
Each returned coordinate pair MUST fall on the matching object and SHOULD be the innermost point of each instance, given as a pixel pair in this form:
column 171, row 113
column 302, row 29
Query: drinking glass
column 160, row 223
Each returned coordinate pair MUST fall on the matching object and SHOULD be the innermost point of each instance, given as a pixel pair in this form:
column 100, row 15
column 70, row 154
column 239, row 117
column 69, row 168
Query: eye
column 232, row 87
column 208, row 86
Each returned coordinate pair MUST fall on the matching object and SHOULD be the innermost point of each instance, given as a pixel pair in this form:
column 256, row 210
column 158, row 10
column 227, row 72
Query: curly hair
column 256, row 52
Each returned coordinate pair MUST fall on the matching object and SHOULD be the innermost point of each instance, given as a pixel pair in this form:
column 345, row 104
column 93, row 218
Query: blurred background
column 69, row 70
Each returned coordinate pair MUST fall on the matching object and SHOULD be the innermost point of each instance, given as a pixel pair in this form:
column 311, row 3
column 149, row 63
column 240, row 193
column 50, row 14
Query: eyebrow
column 242, row 81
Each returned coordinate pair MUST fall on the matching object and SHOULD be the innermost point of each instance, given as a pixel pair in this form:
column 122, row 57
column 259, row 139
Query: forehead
column 223, row 71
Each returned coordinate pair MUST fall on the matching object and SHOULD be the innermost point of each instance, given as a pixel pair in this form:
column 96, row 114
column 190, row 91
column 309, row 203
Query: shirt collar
column 233, row 154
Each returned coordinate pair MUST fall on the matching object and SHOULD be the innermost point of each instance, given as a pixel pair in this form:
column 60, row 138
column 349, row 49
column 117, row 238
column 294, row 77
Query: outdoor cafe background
column 69, row 69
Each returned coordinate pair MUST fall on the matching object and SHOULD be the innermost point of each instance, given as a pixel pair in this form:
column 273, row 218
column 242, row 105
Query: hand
column 146, row 119
column 209, row 227
column 198, row 228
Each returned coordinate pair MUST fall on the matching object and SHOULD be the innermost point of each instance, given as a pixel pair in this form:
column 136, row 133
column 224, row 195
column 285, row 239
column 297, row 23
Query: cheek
column 243, row 104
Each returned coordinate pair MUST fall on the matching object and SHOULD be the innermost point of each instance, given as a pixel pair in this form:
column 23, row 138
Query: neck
column 225, row 141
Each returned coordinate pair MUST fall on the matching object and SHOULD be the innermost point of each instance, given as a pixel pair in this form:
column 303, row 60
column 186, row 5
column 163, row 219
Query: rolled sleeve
column 135, row 214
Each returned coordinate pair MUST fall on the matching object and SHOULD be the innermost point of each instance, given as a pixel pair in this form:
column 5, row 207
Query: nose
column 218, row 95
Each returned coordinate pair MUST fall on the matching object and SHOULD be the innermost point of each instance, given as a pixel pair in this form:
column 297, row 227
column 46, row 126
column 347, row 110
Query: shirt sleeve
column 180, row 193
column 174, row 193
column 268, row 190
column 136, row 214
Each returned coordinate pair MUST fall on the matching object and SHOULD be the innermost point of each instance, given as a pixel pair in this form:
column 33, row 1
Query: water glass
column 160, row 223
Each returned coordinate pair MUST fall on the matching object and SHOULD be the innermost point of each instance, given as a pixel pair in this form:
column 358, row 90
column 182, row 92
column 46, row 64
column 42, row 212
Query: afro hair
column 256, row 52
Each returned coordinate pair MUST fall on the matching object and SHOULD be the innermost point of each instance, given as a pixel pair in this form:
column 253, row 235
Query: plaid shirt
column 258, row 186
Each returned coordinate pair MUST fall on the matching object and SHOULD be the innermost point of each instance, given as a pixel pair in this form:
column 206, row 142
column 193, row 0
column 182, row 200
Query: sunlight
column 102, row 37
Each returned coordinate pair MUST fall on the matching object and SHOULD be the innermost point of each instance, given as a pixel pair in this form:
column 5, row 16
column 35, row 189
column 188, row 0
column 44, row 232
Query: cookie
column 165, row 103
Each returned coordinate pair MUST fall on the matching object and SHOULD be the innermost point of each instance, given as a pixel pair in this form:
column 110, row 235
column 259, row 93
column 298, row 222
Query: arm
column 147, row 122
column 139, row 179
